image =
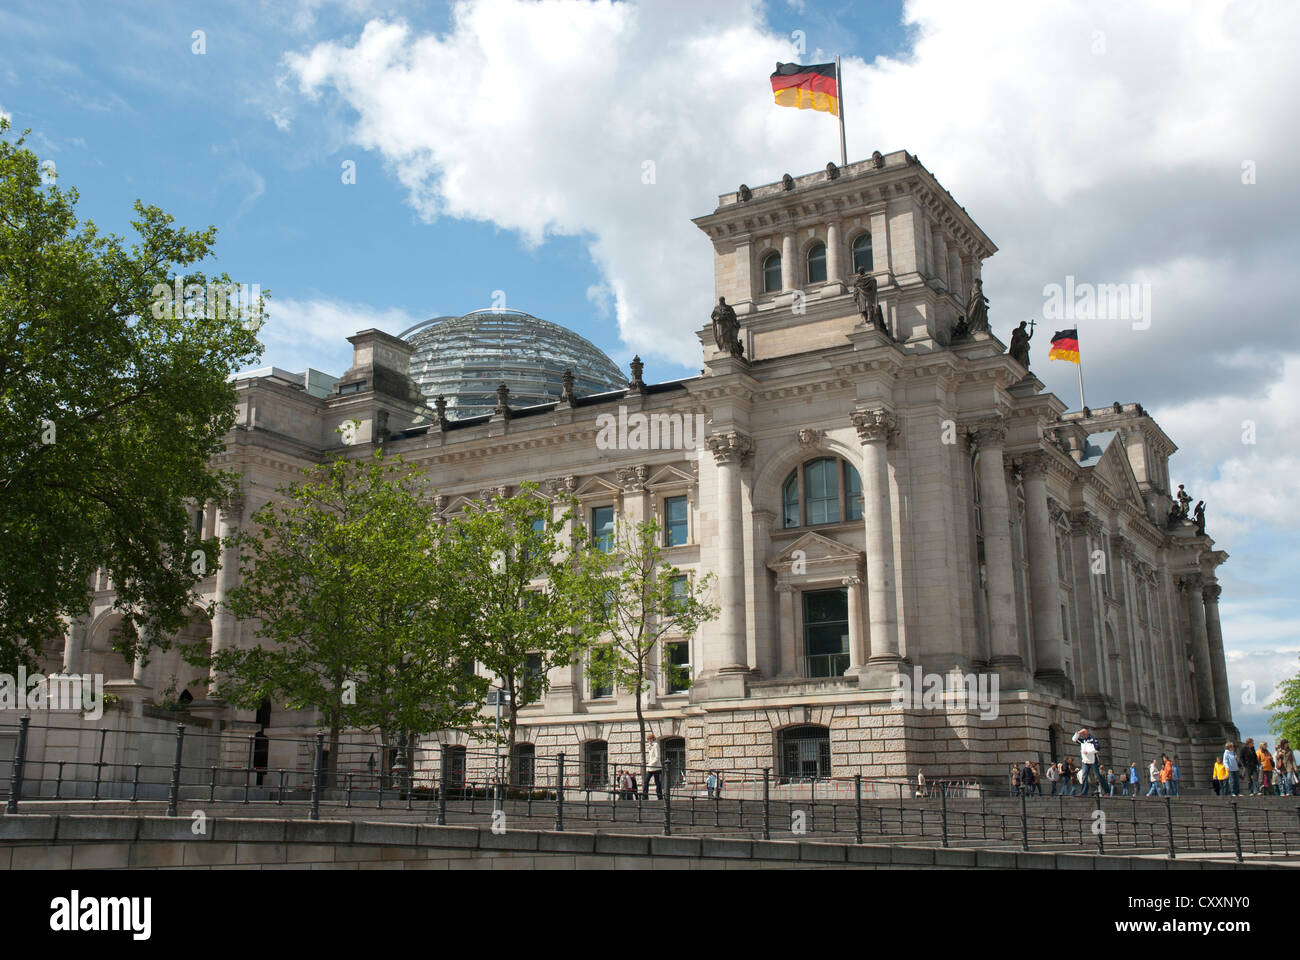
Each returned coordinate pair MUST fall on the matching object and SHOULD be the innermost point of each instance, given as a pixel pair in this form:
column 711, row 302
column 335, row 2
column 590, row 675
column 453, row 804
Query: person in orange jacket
column 1265, row 768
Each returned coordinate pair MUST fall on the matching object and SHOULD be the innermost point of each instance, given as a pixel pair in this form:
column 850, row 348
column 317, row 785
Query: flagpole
column 839, row 94
column 1080, row 365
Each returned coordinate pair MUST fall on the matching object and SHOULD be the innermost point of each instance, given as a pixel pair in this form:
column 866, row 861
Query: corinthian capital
column 1189, row 581
column 1210, row 592
column 986, row 430
column 1085, row 523
column 874, row 425
column 1033, row 465
column 730, row 447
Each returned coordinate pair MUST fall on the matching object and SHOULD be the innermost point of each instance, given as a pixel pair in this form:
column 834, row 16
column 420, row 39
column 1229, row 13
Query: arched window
column 821, row 491
column 817, row 263
column 805, row 751
column 772, row 273
column 831, row 491
column 522, row 765
column 790, row 500
column 862, row 254
column 595, row 764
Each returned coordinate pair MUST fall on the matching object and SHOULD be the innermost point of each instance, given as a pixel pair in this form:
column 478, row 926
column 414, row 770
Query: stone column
column 874, row 429
column 834, row 268
column 1214, row 636
column 789, row 273
column 988, row 436
column 1190, row 585
column 728, row 650
column 767, row 640
column 787, row 642
column 74, row 646
column 857, row 649
column 225, row 628
column 1044, row 579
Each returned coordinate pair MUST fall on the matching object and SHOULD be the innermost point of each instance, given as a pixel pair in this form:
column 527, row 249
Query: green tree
column 344, row 579
column 643, row 601
column 110, row 413
column 1284, row 713
column 526, row 585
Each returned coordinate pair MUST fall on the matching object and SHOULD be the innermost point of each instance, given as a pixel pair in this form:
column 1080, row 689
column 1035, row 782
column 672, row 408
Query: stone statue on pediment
column 1199, row 514
column 977, row 309
column 1184, row 502
column 726, row 329
column 1019, row 349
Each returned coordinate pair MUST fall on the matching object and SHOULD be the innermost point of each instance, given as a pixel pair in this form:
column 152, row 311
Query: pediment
column 1115, row 469
column 667, row 476
column 814, row 550
column 597, row 487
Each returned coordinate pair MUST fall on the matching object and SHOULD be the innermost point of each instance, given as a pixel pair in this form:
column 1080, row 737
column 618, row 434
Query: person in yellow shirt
column 1220, row 775
column 1265, row 768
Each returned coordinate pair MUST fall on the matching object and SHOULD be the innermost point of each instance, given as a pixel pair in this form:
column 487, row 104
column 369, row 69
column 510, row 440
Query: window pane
column 676, row 523
column 790, row 501
column 817, row 263
column 826, row 632
column 821, row 491
column 602, row 687
column 852, row 492
column 862, row 253
column 772, row 273
column 602, row 528
column 532, row 685
column 679, row 658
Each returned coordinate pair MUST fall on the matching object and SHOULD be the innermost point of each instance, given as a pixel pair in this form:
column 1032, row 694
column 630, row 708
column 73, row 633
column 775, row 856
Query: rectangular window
column 679, row 666
column 602, row 688
column 675, row 521
column 602, row 528
column 852, row 492
column 826, row 632
column 531, row 688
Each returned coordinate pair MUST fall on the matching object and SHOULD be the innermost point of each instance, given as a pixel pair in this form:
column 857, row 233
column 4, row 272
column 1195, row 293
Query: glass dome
column 465, row 358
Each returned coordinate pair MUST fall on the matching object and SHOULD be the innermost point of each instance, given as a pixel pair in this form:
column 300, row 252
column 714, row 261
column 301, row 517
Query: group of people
column 1266, row 773
column 1067, row 780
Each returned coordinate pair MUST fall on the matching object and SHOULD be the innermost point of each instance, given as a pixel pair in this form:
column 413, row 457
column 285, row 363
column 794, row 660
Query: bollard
column 410, row 785
column 347, row 790
column 857, row 802
column 212, row 785
column 1024, row 823
column 1169, row 819
column 99, row 767
column 58, row 784
column 248, row 770
column 559, row 793
column 1236, row 830
column 767, row 805
column 135, row 783
column 442, row 788
column 279, row 793
column 943, row 812
column 316, row 775
column 1101, row 834
column 174, row 794
column 20, row 759
column 668, row 804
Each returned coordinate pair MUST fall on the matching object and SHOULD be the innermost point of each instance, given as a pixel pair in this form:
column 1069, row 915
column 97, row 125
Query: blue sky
column 501, row 146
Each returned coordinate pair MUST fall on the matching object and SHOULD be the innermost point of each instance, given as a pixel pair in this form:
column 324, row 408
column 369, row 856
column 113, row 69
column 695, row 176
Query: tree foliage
column 109, row 413
column 343, row 577
column 527, row 578
column 643, row 601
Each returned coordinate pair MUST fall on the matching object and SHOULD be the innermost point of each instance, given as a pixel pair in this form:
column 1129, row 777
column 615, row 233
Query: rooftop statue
column 726, row 329
column 977, row 309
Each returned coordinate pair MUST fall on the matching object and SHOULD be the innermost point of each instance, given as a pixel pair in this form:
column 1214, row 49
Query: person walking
column 1054, row 777
column 711, row 783
column 1134, row 781
column 653, row 768
column 1175, row 775
column 1265, row 768
column 1089, row 751
column 1069, row 777
column 1218, row 776
column 1249, row 762
column 1015, row 780
column 1166, row 776
column 1233, row 781
column 1284, row 762
column 1027, row 779
column 1110, row 781
column 1153, row 774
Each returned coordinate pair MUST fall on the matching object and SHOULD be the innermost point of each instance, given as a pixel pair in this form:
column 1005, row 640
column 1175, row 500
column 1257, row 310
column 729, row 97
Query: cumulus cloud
column 313, row 332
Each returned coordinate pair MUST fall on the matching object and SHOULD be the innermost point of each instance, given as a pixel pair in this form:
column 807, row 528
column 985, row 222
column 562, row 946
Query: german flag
column 1065, row 346
column 807, row 88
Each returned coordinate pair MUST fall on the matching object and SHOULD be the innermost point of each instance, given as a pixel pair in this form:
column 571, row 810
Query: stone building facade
column 873, row 503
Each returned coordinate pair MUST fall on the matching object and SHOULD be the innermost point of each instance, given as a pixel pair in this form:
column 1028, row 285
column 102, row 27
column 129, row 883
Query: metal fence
column 439, row 781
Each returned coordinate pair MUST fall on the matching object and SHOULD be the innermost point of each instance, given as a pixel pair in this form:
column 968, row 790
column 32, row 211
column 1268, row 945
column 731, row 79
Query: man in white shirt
column 653, row 768
column 1088, row 756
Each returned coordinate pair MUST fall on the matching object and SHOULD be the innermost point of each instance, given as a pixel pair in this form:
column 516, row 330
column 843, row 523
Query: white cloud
column 538, row 117
column 313, row 332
